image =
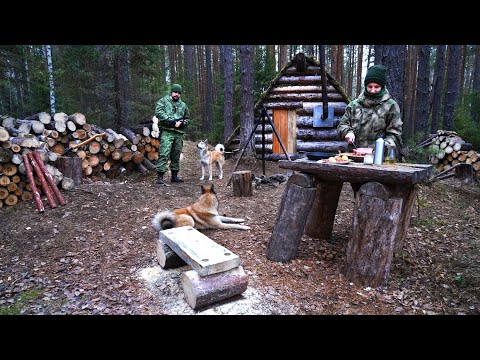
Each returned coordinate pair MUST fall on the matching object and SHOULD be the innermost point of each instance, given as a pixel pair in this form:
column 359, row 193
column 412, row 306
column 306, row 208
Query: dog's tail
column 164, row 220
column 220, row 148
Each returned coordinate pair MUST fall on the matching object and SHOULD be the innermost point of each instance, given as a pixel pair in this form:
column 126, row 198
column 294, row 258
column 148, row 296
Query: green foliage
column 465, row 127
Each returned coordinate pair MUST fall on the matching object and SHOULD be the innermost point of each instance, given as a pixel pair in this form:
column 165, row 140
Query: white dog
column 208, row 158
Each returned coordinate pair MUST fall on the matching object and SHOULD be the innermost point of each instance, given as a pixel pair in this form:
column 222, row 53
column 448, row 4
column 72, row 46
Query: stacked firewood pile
column 56, row 140
column 447, row 149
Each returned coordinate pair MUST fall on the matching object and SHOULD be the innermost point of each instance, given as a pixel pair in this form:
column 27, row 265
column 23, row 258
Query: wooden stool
column 242, row 183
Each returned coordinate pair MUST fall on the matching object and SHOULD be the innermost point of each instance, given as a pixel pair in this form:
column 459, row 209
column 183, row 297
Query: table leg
column 292, row 216
column 320, row 222
column 381, row 216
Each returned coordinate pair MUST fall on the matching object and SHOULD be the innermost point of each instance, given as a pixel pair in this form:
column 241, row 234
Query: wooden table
column 384, row 198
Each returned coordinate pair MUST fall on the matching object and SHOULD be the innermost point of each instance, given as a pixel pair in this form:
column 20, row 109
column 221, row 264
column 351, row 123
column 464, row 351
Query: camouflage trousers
column 171, row 144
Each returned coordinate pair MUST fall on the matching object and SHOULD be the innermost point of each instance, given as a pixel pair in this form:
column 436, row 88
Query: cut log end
column 203, row 291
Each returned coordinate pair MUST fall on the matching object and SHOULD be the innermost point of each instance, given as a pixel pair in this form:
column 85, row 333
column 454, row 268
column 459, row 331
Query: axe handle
column 85, row 142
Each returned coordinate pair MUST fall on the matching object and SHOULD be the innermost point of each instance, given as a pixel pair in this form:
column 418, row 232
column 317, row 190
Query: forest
column 436, row 86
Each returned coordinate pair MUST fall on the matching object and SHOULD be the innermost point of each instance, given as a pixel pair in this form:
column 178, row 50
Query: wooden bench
column 217, row 272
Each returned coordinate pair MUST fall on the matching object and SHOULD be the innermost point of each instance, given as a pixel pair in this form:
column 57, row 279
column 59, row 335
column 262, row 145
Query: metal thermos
column 379, row 147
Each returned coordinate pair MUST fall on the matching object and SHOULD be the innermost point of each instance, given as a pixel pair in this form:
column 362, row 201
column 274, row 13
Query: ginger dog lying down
column 201, row 215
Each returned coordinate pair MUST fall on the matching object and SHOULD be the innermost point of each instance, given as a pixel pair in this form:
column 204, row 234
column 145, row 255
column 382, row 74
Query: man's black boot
column 160, row 179
column 175, row 178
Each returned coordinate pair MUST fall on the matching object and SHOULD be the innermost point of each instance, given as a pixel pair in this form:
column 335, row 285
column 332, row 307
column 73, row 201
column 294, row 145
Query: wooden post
column 377, row 220
column 242, row 183
column 322, row 215
column 292, row 216
column 202, row 291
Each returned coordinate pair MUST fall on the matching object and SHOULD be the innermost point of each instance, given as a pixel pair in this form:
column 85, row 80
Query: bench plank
column 199, row 251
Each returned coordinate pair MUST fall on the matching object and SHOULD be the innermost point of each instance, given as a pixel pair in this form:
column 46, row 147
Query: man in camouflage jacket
column 173, row 117
column 373, row 114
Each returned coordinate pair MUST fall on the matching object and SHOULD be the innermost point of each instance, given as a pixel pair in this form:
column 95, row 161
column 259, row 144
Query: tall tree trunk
column 162, row 67
column 309, row 50
column 50, row 78
column 179, row 70
column 190, row 83
column 246, row 98
column 282, row 57
column 209, row 88
column 351, row 52
column 413, row 99
column 423, row 89
column 203, row 89
column 369, row 56
column 437, row 89
column 378, row 52
column 171, row 63
column 334, row 62
column 476, row 87
column 120, row 65
column 452, row 85
column 393, row 57
column 340, row 65
column 407, row 124
column 228, row 91
column 18, row 88
column 461, row 82
column 359, row 70
column 104, row 77
column 216, row 72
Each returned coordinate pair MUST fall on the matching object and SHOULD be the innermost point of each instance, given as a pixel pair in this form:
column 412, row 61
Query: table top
column 398, row 173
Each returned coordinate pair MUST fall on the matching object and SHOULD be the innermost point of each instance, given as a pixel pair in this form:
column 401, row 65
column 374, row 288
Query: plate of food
column 353, row 156
column 338, row 159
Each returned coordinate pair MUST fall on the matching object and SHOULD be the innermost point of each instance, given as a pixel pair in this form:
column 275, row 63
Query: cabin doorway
column 285, row 121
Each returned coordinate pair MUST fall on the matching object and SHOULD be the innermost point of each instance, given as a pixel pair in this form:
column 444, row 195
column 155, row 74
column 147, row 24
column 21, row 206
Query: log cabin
column 294, row 102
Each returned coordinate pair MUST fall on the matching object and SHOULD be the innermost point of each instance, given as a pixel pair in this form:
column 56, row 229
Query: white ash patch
column 165, row 285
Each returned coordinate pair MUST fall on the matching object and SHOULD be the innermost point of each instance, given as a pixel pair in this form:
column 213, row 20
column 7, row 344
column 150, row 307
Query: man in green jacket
column 374, row 113
column 173, row 117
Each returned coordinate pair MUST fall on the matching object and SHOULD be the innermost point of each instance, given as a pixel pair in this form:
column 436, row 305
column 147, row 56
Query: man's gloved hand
column 350, row 137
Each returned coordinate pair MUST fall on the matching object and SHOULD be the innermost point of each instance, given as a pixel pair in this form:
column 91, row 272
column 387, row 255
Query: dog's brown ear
column 212, row 189
column 203, row 188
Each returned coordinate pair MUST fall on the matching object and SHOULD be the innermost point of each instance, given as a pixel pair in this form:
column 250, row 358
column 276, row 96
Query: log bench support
column 217, row 274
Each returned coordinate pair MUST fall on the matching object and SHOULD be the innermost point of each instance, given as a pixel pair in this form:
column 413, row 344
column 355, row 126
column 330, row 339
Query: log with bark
column 202, row 291
column 49, row 178
column 35, row 192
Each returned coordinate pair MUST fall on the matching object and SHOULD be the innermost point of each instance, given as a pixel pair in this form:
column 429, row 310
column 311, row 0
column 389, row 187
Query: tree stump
column 377, row 219
column 292, row 216
column 242, row 183
column 70, row 167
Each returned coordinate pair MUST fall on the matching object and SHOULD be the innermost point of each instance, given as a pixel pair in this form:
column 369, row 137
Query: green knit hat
column 176, row 88
column 376, row 74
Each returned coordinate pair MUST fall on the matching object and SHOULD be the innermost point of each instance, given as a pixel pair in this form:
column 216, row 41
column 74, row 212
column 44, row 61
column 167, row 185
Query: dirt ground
column 97, row 254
